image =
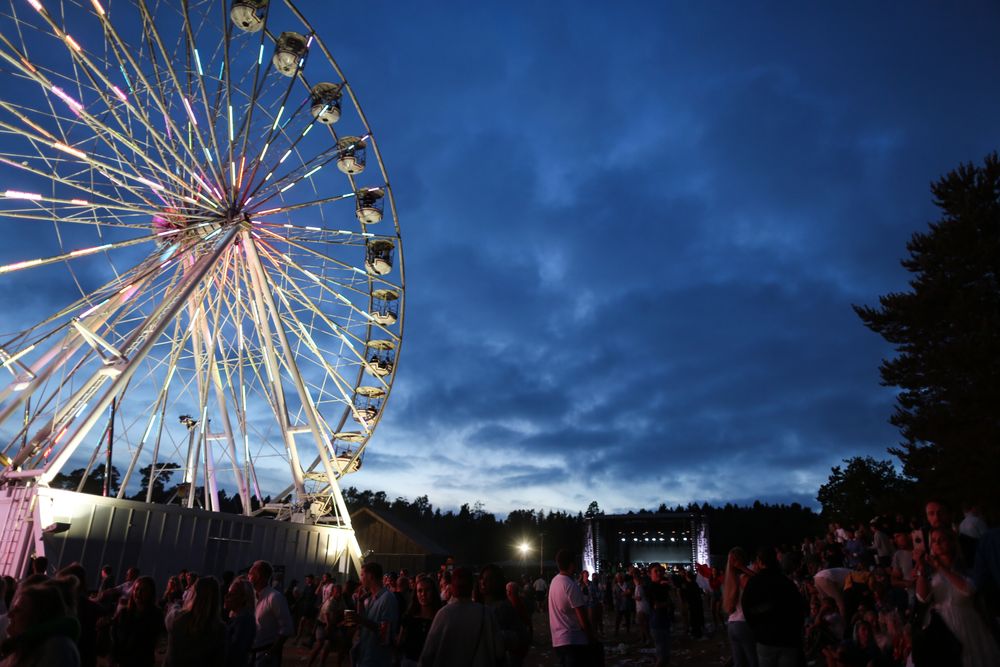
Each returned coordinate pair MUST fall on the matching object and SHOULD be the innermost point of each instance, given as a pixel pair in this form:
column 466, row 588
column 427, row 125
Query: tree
column 862, row 490
column 94, row 484
column 164, row 471
column 946, row 333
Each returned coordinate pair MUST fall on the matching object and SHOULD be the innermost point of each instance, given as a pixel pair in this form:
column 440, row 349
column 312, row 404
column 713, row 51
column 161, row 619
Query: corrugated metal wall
column 162, row 539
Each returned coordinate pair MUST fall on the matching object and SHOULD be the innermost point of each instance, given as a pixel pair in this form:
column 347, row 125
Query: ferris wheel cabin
column 369, row 210
column 248, row 15
column 325, row 98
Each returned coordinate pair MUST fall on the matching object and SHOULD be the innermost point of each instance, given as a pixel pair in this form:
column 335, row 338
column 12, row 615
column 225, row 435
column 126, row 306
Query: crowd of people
column 454, row 617
column 55, row 620
column 891, row 593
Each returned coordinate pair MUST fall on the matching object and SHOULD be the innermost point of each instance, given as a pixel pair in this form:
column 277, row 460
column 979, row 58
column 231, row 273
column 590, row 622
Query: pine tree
column 946, row 333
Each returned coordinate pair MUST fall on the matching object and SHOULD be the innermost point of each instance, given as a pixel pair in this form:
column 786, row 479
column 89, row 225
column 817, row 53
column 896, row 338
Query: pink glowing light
column 128, row 292
column 73, row 104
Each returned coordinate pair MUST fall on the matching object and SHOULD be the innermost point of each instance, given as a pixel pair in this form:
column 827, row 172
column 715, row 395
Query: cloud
column 633, row 235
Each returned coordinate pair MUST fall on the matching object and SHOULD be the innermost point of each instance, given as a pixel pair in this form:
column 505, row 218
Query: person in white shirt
column 540, row 589
column 274, row 621
column 972, row 525
column 569, row 622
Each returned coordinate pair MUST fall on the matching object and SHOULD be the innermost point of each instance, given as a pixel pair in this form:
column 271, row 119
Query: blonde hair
column 731, row 583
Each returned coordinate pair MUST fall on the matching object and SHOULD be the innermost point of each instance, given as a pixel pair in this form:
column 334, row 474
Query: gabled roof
column 429, row 546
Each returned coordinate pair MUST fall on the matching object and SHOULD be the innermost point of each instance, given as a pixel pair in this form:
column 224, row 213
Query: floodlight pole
column 111, row 444
column 541, row 554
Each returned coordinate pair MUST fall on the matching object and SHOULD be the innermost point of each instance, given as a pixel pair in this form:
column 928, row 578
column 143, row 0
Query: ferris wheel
column 201, row 273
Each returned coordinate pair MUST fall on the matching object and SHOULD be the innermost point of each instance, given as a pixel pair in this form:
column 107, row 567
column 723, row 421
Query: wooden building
column 393, row 544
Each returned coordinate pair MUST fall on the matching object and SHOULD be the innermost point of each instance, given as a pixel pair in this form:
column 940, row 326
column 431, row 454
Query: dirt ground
column 621, row 651
column 626, row 651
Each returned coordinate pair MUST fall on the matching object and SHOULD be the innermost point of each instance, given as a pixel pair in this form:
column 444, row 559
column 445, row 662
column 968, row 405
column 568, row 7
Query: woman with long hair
column 195, row 634
column 941, row 581
column 173, row 596
column 136, row 627
column 642, row 608
column 417, row 621
column 740, row 637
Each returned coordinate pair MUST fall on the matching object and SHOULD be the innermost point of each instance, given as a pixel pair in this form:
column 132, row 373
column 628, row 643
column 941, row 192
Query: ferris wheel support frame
column 265, row 298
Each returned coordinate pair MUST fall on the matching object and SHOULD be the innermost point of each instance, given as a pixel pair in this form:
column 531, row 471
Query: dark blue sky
column 634, row 232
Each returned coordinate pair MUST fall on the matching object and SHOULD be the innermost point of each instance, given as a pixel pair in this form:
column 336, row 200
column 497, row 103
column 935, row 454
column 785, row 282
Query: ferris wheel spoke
column 193, row 54
column 209, row 339
column 80, row 57
column 361, row 276
column 324, row 284
column 344, row 333
column 251, row 109
column 105, row 168
column 287, row 208
column 154, row 93
column 114, row 208
column 85, row 307
column 136, row 349
column 305, row 168
column 257, row 160
column 75, row 254
column 325, row 287
column 308, row 405
column 302, row 330
column 321, row 429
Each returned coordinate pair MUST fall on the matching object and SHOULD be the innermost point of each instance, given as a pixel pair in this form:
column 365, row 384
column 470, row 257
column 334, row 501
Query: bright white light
column 17, row 194
column 69, row 149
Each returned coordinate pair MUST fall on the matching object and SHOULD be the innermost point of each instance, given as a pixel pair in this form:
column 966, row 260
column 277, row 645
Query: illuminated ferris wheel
column 201, row 269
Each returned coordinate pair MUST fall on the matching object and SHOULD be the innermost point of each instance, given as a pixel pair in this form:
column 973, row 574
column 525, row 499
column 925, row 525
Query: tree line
column 475, row 535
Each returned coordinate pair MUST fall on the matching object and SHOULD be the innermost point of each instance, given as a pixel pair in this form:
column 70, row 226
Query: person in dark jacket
column 775, row 611
column 136, row 627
